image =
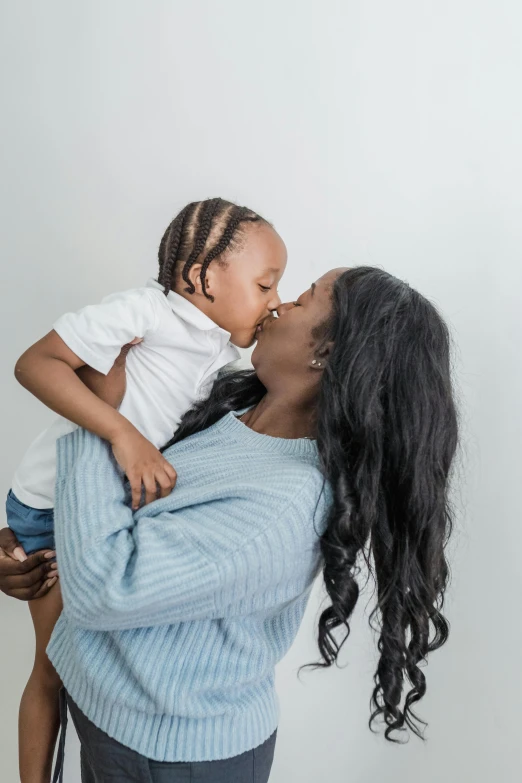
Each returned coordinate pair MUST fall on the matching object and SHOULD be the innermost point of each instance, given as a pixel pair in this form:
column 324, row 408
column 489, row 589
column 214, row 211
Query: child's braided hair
column 202, row 231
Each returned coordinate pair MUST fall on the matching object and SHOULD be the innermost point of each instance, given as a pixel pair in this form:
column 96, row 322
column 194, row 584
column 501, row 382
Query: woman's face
column 286, row 346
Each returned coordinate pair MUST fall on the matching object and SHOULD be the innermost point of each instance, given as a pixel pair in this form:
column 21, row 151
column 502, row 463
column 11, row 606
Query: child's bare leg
column 39, row 717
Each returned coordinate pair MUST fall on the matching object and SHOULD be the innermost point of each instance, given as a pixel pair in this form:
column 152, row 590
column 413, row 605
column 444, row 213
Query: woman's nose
column 283, row 308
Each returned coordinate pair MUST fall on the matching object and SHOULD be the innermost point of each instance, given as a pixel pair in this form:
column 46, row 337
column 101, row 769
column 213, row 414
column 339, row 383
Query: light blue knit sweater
column 175, row 615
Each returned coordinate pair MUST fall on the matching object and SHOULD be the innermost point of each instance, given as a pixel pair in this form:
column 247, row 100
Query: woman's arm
column 122, row 570
column 111, row 387
column 117, row 573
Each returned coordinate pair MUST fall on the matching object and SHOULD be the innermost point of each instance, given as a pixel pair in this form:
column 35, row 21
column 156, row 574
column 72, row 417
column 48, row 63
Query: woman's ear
column 321, row 354
column 325, row 349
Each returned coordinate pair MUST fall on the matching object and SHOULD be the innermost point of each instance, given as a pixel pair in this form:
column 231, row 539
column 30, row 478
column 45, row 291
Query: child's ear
column 211, row 280
column 195, row 277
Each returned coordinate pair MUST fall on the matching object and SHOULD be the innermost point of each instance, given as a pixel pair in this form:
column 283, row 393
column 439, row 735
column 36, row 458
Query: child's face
column 245, row 289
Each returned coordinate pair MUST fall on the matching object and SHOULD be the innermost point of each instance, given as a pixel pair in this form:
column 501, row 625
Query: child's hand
column 143, row 464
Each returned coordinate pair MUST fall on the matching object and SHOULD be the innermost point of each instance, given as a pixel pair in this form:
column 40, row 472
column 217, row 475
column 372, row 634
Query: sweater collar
column 231, row 427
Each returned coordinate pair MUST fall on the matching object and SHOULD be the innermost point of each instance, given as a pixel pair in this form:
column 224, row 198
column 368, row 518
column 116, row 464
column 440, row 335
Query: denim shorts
column 33, row 527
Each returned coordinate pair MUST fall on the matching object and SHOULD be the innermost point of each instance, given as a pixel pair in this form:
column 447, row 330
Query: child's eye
column 297, row 304
column 265, row 287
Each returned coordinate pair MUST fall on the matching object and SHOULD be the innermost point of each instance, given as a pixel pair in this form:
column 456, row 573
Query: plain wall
column 382, row 133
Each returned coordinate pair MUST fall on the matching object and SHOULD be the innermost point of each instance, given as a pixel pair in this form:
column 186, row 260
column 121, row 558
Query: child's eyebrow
column 312, row 288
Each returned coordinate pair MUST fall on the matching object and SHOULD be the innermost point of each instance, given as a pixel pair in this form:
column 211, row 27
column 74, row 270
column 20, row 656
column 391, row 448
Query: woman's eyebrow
column 312, row 288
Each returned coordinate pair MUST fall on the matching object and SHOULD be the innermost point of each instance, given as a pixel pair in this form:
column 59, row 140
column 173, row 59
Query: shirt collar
column 195, row 317
column 187, row 311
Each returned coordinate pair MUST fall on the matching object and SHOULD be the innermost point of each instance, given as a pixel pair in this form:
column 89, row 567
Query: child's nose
column 274, row 302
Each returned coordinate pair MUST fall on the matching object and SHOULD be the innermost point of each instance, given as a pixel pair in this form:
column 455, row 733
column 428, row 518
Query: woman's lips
column 264, row 323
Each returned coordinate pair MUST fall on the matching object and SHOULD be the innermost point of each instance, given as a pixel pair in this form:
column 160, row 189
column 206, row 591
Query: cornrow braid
column 226, row 237
column 204, row 218
column 187, row 236
column 169, row 246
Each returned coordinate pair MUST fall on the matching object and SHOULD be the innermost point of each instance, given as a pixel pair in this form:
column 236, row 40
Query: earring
column 315, row 362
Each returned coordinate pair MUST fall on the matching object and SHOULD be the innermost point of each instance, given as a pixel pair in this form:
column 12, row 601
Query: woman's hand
column 111, row 387
column 143, row 464
column 25, row 579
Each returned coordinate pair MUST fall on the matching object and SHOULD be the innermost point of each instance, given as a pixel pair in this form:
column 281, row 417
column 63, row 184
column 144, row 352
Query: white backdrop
column 383, row 133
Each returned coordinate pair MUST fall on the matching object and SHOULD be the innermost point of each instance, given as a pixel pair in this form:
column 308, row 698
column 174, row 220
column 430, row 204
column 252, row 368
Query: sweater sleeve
column 120, row 569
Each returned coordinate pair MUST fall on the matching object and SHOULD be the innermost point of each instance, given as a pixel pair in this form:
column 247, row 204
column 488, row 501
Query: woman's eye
column 297, row 304
column 265, row 287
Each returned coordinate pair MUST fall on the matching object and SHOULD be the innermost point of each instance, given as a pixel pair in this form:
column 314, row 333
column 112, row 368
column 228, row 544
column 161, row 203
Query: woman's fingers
column 10, row 545
column 9, row 566
column 34, row 577
column 38, row 574
column 32, row 593
column 26, row 580
column 126, row 348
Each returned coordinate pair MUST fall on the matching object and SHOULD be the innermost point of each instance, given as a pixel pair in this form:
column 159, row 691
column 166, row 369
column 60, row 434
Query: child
column 219, row 268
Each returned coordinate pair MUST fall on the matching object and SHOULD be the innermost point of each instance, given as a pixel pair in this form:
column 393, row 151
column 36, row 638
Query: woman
column 175, row 617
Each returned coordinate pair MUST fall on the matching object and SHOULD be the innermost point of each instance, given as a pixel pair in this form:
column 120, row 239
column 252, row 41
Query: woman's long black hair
column 387, row 436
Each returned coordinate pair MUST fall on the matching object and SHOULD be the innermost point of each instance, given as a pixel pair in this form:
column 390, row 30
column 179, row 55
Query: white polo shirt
column 177, row 363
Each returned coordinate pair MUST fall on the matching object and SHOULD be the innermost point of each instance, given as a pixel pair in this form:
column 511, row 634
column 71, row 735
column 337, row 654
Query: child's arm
column 48, row 370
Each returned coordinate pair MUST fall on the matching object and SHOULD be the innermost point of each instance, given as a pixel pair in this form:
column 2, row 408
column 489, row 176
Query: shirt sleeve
column 96, row 333
column 120, row 569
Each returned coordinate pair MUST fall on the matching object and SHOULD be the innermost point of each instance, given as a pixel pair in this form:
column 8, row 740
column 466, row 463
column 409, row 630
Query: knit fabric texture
column 176, row 615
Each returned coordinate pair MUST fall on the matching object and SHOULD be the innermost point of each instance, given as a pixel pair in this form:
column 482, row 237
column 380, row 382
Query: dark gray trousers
column 104, row 760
